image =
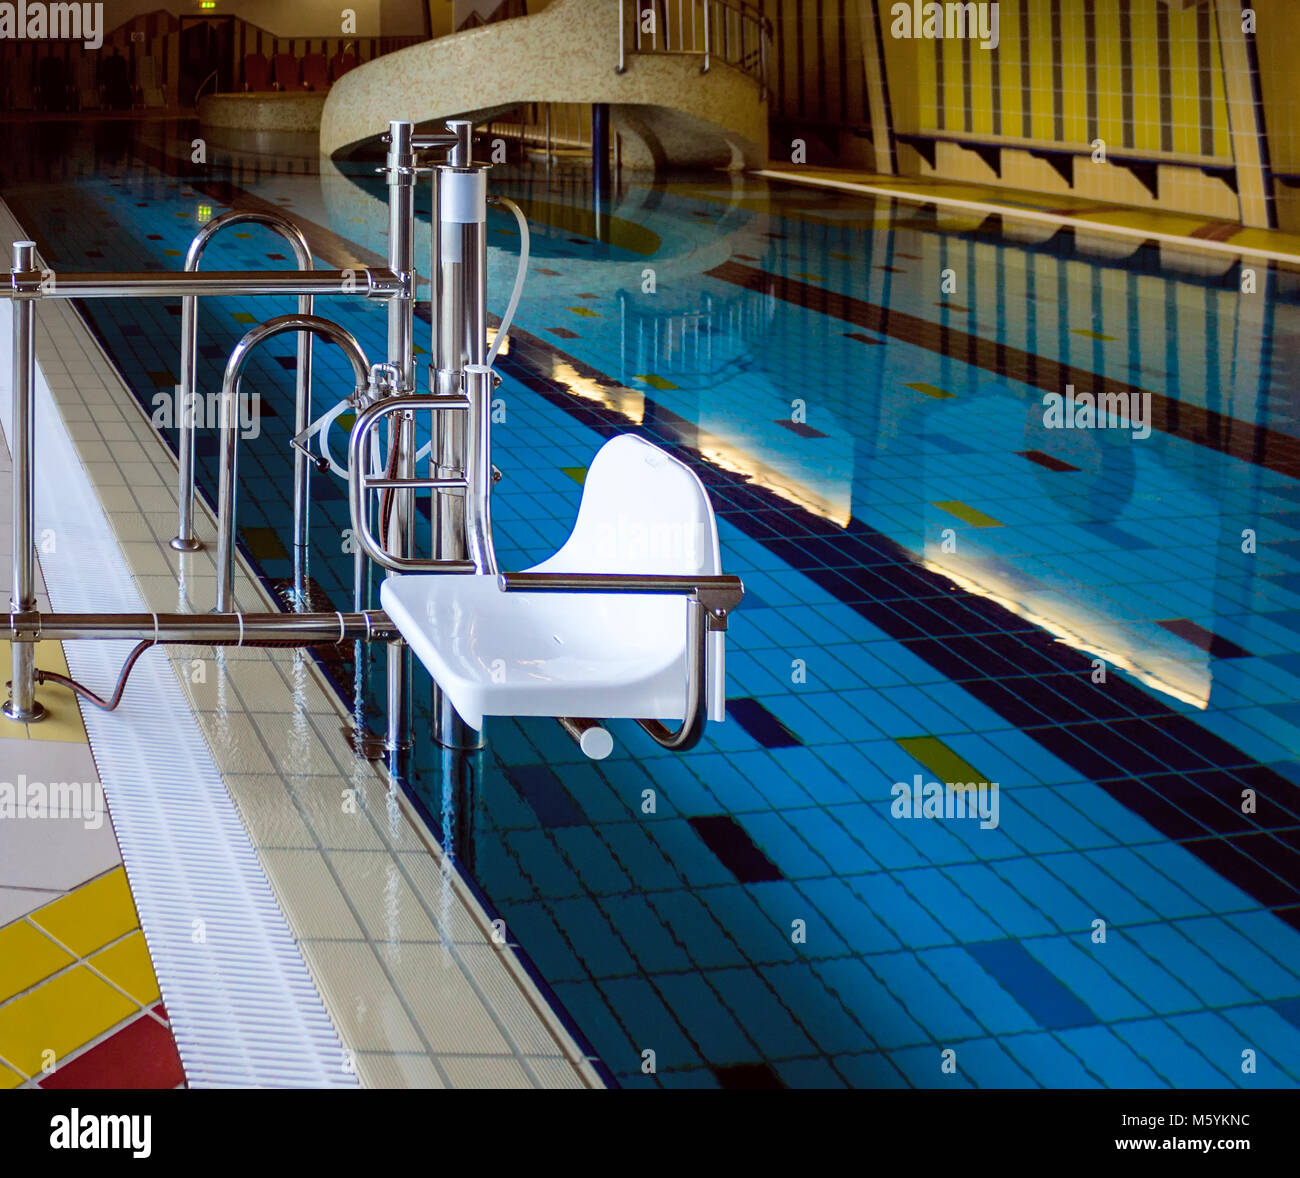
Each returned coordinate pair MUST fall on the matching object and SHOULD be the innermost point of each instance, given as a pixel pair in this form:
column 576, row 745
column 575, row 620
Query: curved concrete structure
column 290, row 110
column 666, row 110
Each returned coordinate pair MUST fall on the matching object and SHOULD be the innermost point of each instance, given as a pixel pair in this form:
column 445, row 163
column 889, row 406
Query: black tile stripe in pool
column 1182, row 779
column 1193, row 423
column 735, row 850
column 747, row 1076
column 764, row 727
column 970, row 639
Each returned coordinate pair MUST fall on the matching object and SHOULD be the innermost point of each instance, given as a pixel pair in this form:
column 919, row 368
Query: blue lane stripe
column 1030, row 984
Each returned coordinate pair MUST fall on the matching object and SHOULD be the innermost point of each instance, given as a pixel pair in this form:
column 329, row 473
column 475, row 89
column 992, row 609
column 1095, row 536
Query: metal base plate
column 37, row 713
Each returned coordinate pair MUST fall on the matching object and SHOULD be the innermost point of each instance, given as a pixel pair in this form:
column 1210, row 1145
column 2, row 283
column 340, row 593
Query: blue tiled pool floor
column 924, row 599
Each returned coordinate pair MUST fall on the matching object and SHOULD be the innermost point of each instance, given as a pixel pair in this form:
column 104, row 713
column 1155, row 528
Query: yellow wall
column 1150, row 130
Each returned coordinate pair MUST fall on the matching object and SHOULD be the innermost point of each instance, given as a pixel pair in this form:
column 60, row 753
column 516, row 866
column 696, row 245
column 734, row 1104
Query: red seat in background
column 257, row 73
column 340, row 63
column 285, row 66
column 315, row 71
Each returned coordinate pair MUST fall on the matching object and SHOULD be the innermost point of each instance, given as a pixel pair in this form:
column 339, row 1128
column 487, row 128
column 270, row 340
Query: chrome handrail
column 360, row 482
column 327, row 330
column 364, row 281
column 185, row 540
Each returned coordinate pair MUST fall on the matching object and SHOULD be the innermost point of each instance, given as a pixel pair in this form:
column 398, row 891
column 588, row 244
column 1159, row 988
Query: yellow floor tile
column 127, row 966
column 63, row 721
column 60, row 1016
column 27, row 956
column 9, row 1079
column 96, row 913
column 1268, row 239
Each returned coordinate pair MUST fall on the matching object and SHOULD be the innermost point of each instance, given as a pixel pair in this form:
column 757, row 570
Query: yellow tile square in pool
column 968, row 514
column 128, row 967
column 96, row 913
column 60, row 1016
column 655, row 381
column 9, row 1078
column 931, row 391
column 941, row 760
column 26, row 957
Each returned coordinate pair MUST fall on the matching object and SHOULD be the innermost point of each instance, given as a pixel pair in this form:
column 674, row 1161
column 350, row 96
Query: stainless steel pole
column 479, row 382
column 401, row 429
column 459, row 276
column 326, row 329
column 185, row 540
column 22, row 704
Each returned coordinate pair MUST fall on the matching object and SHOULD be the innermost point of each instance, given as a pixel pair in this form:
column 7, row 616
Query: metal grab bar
column 370, row 282
column 185, row 540
column 720, row 594
column 327, row 330
column 25, row 629
column 711, row 600
column 360, row 483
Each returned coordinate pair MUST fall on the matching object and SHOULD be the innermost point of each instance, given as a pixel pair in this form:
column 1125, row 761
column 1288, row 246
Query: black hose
column 387, row 499
column 85, row 692
column 110, row 705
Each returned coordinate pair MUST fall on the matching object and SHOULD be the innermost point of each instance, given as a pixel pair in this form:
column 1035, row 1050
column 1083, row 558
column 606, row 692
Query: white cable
column 520, row 274
column 321, row 427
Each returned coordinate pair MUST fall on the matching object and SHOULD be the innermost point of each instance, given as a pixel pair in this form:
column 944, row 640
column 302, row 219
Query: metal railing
column 730, row 31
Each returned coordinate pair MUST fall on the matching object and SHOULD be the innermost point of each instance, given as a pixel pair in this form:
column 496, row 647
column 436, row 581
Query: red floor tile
column 141, row 1055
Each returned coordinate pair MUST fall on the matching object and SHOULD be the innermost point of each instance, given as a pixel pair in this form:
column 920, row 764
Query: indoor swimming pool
column 943, row 582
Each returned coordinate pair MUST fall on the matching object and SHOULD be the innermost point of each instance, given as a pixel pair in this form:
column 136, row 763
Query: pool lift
column 626, row 620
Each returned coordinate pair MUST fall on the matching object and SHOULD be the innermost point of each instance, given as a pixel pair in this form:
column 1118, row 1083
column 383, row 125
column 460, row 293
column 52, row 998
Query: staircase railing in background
column 730, row 31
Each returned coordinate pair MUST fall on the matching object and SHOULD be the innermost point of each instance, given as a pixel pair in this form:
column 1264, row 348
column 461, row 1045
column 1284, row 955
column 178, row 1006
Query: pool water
column 941, row 585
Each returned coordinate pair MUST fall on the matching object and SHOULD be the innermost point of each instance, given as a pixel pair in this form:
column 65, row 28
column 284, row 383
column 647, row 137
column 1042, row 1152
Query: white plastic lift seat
column 593, row 655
